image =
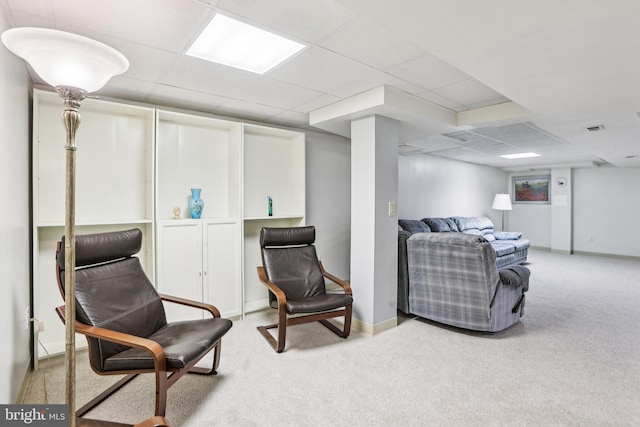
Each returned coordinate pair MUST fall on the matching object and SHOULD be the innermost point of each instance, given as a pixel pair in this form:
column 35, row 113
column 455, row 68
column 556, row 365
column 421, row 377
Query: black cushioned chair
column 295, row 279
column 123, row 317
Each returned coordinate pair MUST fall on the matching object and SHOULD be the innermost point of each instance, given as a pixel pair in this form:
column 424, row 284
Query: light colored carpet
column 573, row 360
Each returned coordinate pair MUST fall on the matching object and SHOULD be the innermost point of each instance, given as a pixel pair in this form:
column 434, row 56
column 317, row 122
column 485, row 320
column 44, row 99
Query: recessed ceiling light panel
column 520, row 155
column 236, row 44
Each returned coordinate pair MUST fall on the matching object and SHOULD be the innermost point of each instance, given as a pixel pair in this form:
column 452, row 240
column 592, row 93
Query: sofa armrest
column 507, row 235
column 515, row 276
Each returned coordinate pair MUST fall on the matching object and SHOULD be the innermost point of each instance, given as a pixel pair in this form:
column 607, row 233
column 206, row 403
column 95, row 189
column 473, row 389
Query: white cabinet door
column 180, row 265
column 222, row 267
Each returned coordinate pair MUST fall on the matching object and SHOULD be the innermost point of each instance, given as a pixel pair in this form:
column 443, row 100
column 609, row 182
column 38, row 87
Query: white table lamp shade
column 502, row 202
column 66, row 60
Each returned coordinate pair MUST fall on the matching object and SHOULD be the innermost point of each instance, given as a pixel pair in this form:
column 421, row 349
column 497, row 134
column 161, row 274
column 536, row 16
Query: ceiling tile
column 39, row 8
column 167, row 24
column 307, row 21
column 470, row 92
column 184, row 98
column 145, row 63
column 122, row 87
column 318, row 69
column 442, row 101
column 370, row 44
column 199, row 75
column 246, row 110
column 376, row 79
column 428, row 72
column 315, row 103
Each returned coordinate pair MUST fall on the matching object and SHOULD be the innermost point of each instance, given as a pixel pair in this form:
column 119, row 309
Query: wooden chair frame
column 284, row 320
column 165, row 378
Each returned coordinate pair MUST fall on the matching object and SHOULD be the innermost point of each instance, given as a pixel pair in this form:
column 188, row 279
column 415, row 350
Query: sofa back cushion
column 476, row 225
column 414, row 226
column 441, row 225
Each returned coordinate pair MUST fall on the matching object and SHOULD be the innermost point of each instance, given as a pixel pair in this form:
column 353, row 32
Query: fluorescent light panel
column 520, row 155
column 236, row 44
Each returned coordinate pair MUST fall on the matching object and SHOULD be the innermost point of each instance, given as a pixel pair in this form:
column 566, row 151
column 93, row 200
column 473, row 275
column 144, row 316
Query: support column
column 374, row 225
column 561, row 210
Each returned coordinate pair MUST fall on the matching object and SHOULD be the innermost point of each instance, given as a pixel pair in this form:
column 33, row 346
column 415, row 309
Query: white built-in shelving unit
column 114, row 189
column 135, row 164
column 274, row 166
column 199, row 258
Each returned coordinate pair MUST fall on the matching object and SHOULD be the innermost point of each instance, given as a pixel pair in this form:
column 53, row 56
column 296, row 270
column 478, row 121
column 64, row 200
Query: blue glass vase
column 196, row 204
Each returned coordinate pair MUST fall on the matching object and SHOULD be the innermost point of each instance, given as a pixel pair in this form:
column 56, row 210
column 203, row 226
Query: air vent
column 595, row 128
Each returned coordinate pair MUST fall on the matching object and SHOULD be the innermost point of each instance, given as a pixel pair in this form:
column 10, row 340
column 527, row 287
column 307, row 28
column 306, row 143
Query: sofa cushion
column 476, row 225
column 507, row 235
column 414, row 226
column 519, row 244
column 503, row 248
column 474, row 222
column 441, row 225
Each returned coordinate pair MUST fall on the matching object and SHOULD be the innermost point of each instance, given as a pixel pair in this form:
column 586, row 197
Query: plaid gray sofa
column 510, row 247
column 453, row 279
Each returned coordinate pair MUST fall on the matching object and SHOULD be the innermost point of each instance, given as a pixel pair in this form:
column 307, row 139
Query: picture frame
column 532, row 189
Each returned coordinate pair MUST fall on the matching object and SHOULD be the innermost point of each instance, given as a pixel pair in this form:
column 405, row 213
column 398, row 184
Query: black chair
column 123, row 318
column 295, row 279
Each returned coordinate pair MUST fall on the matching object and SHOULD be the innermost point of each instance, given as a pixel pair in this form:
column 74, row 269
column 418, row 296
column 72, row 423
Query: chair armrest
column 151, row 346
column 342, row 283
column 191, row 303
column 516, row 275
column 280, row 296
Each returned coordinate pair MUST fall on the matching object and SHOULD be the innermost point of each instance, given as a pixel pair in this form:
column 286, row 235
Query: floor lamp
column 75, row 66
column 502, row 202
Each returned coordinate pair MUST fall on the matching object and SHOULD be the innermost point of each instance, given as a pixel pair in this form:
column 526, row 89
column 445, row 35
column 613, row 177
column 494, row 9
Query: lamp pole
column 71, row 121
column 68, row 62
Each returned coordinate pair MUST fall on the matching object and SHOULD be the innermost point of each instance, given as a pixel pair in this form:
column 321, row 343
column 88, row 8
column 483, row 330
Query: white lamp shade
column 65, row 59
column 502, row 202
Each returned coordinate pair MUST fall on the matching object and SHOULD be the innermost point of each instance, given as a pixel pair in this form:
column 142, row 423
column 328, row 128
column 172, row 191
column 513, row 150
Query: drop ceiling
column 457, row 65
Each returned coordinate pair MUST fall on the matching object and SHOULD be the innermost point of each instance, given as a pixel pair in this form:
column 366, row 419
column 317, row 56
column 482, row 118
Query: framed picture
column 532, row 189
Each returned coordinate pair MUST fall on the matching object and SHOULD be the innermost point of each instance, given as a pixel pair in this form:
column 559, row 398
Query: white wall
column 434, row 187
column 533, row 221
column 606, row 204
column 14, row 222
column 328, row 175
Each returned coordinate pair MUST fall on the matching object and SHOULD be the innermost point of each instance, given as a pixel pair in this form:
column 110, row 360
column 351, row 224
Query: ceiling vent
column 595, row 128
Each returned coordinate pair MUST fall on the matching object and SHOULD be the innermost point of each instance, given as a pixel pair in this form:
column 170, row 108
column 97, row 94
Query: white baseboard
column 561, row 251
column 372, row 329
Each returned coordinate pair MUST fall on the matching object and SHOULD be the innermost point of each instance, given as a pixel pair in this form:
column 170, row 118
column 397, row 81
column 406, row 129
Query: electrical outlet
column 590, row 239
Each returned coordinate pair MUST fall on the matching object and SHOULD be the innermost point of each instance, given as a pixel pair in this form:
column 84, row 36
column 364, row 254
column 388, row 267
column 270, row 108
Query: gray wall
column 605, row 202
column 328, row 175
column 14, row 221
column 434, row 187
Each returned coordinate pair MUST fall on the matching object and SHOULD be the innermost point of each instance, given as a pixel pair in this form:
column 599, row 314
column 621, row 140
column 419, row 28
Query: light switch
column 392, row 208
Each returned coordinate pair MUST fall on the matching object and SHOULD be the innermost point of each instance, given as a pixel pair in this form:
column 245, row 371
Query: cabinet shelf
column 96, row 223
column 179, row 221
column 274, row 217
